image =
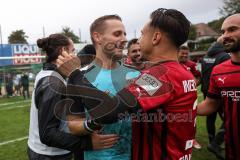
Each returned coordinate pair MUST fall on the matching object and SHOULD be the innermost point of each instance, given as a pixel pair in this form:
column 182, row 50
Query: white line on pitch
column 14, row 140
column 9, row 103
column 8, row 108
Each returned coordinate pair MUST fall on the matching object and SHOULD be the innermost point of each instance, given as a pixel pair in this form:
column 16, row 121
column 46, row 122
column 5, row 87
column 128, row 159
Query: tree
column 18, row 36
column 230, row 7
column 192, row 33
column 216, row 24
column 69, row 33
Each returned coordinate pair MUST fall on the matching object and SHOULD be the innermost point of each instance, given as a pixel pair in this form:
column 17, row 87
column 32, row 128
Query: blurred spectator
column 25, row 85
column 9, row 85
column 1, row 86
column 17, row 86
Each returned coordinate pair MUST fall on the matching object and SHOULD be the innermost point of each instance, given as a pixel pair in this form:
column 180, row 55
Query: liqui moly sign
column 26, row 54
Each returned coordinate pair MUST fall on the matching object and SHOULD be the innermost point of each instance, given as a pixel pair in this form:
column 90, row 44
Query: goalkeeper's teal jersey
column 112, row 81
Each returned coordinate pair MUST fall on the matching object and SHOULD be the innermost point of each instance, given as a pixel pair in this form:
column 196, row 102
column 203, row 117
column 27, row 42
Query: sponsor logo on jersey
column 189, row 144
column 222, row 79
column 149, row 83
column 235, row 95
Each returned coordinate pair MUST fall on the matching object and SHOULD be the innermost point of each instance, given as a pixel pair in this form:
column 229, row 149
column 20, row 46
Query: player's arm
column 213, row 99
column 76, row 125
column 49, row 107
column 101, row 107
column 76, row 116
column 108, row 109
column 80, row 126
column 46, row 98
column 198, row 80
column 208, row 106
column 105, row 109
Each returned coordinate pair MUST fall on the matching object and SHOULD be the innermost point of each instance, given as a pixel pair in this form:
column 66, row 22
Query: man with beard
column 225, row 85
column 134, row 58
column 162, row 101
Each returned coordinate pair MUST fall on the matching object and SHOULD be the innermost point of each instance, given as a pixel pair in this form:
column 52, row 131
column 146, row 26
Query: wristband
column 85, row 125
column 91, row 126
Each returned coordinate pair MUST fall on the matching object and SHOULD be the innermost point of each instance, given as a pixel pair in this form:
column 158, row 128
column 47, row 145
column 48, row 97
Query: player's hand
column 100, row 141
column 67, row 63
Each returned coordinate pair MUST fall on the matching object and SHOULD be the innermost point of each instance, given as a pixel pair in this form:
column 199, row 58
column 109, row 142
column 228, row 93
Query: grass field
column 14, row 122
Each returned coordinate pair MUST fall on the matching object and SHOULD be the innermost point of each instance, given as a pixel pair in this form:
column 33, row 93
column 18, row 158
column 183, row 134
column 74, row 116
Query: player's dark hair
column 52, row 45
column 131, row 42
column 173, row 23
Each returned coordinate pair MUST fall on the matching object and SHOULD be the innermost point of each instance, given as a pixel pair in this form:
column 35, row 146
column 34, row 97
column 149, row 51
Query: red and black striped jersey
column 225, row 84
column 192, row 67
column 165, row 128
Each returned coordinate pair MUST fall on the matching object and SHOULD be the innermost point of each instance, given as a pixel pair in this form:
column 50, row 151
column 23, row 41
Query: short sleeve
column 213, row 90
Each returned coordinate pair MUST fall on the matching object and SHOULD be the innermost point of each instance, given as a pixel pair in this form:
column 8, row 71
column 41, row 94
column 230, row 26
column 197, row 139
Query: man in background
column 25, row 85
column 183, row 57
column 134, row 58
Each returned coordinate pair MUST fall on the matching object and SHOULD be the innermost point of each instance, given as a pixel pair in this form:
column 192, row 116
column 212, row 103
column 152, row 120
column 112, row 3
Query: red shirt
column 165, row 129
column 127, row 61
column 192, row 67
column 225, row 84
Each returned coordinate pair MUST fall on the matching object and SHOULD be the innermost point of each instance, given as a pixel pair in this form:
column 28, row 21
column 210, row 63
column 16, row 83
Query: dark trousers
column 219, row 138
column 211, row 128
column 35, row 156
column 211, row 119
column 26, row 92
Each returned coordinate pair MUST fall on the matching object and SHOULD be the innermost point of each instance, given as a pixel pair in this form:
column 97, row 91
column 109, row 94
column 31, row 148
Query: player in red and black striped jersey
column 161, row 102
column 225, row 85
column 165, row 129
